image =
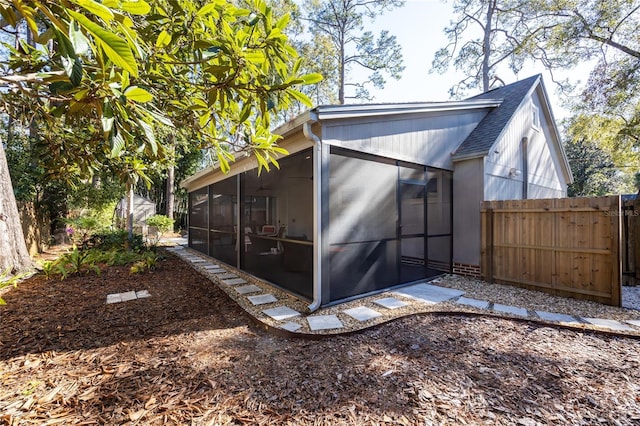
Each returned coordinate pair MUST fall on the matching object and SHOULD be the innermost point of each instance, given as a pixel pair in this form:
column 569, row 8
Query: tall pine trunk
column 13, row 249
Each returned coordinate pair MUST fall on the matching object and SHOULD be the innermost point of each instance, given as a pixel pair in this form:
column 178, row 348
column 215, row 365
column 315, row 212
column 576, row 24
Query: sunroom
column 362, row 203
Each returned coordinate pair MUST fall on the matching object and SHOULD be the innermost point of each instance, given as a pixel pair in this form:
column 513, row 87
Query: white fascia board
column 332, row 112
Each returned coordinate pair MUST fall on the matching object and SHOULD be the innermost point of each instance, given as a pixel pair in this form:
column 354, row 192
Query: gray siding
column 543, row 159
column 418, row 138
column 467, row 198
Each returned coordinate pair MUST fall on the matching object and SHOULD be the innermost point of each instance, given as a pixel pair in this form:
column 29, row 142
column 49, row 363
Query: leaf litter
column 189, row 355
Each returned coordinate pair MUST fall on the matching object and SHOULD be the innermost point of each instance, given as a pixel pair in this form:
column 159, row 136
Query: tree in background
column 104, row 67
column 480, row 41
column 561, row 35
column 340, row 24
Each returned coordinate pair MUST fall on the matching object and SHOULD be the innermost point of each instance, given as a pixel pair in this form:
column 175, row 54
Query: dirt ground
column 188, row 355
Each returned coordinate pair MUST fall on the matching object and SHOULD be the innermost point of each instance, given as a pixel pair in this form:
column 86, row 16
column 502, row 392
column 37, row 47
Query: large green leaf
column 136, row 7
column 138, row 94
column 116, row 49
column 96, row 8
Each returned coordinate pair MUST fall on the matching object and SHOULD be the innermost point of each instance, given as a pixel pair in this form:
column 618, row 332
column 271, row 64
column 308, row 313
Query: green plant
column 76, row 261
column 6, row 280
column 162, row 223
column 48, row 268
column 116, row 240
column 148, row 261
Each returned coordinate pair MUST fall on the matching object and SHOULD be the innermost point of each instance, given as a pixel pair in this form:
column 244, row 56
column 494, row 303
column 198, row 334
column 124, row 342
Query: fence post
column 616, row 250
column 487, row 261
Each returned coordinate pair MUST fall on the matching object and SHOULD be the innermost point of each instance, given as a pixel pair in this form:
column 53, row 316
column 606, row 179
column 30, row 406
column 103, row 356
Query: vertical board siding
column 568, row 246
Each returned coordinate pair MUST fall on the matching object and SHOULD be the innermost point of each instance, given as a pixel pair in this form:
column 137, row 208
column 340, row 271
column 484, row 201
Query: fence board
column 568, row 246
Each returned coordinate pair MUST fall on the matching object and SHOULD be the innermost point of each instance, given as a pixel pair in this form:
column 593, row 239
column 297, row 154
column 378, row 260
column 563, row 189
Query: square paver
column 513, row 310
column 390, row 303
column 234, row 281
column 129, row 295
column 429, row 293
column 246, row 289
column 142, row 294
column 262, row 299
column 324, row 322
column 227, row 276
column 612, row 324
column 362, row 313
column 114, row 298
column 281, row 313
column 291, row 326
column 634, row 322
column 476, row 303
column 554, row 316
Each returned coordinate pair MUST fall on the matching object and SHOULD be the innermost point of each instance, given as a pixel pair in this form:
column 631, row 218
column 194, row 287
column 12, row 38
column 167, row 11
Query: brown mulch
column 189, row 355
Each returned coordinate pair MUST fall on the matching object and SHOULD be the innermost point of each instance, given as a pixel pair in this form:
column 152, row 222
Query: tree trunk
column 130, row 210
column 13, row 249
column 486, row 46
column 171, row 196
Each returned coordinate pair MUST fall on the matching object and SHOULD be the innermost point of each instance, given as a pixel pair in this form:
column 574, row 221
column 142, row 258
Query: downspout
column 317, row 214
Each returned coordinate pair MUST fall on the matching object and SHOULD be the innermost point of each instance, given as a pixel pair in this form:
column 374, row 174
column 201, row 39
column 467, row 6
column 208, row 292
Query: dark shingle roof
column 489, row 129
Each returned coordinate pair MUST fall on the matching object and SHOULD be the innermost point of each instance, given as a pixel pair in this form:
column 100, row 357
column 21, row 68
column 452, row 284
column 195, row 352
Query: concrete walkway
column 263, row 300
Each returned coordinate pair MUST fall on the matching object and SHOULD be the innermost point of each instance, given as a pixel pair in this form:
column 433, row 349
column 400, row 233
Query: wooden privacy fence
column 568, row 246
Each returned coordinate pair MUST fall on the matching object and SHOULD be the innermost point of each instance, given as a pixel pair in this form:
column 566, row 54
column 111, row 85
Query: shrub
column 162, row 223
column 116, row 240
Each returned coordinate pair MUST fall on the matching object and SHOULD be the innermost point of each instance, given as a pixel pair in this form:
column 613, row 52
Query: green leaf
column 312, row 78
column 136, row 7
column 163, row 39
column 304, row 99
column 114, row 47
column 138, row 94
column 96, row 8
column 118, row 144
column 206, row 9
column 77, row 38
column 73, row 69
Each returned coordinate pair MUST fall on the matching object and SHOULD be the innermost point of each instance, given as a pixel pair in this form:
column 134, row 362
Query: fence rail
column 568, row 246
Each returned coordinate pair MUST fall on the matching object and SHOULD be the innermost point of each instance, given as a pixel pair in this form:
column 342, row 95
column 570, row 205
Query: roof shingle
column 489, row 129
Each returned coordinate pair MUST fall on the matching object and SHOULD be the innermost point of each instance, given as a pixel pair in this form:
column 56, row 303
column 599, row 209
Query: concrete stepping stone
column 390, row 303
column 197, row 260
column 513, row 310
column 218, row 272
column 234, row 281
column 114, row 298
column 212, row 266
column 281, row 313
column 246, row 289
column 612, row 324
column 324, row 322
column 429, row 293
column 227, row 276
column 129, row 295
column 634, row 322
column 553, row 316
column 262, row 299
column 291, row 326
column 476, row 303
column 362, row 313
column 142, row 294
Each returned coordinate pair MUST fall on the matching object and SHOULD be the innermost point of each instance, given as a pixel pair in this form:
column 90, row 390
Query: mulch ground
column 188, row 355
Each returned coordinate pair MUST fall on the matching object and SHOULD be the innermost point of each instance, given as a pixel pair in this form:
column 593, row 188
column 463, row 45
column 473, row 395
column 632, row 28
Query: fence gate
column 569, row 246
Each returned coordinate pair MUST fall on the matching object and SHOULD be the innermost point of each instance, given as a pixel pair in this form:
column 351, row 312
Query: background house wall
column 416, row 138
column 468, row 190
